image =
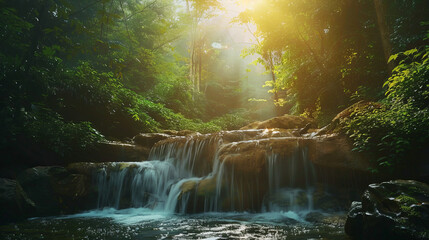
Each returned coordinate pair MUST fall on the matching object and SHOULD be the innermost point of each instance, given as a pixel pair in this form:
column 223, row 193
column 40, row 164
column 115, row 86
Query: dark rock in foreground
column 15, row 205
column 54, row 190
column 391, row 210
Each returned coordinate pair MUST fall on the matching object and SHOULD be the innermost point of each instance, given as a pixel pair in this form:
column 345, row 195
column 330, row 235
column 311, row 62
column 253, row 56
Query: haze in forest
column 75, row 73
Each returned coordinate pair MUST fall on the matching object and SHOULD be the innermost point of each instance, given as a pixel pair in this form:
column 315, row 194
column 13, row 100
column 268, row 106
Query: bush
column 88, row 95
column 391, row 133
column 410, row 79
column 47, row 129
column 401, row 127
column 179, row 122
column 232, row 121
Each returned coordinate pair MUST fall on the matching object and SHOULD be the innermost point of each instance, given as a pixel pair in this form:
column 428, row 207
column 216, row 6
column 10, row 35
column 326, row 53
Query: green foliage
column 390, row 133
column 404, row 18
column 47, row 129
column 232, row 121
column 409, row 81
column 67, row 66
column 401, row 126
column 178, row 122
column 317, row 54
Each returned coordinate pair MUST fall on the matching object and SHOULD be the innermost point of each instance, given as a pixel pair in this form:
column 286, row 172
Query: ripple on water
column 109, row 224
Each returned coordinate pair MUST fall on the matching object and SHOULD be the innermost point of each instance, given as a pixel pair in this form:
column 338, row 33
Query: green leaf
column 392, row 58
column 410, row 52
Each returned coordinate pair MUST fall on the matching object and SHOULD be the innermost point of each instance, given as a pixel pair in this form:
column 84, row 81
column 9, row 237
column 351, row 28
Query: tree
column 199, row 11
column 321, row 53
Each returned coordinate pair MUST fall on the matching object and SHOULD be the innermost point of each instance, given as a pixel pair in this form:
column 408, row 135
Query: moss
column 123, row 166
column 405, row 205
column 407, row 200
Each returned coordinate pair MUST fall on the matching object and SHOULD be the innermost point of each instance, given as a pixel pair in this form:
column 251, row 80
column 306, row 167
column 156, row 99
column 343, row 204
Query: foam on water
column 127, row 216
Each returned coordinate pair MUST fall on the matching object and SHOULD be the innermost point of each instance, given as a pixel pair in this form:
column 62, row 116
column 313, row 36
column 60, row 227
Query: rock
column 84, row 168
column 187, row 187
column 180, row 133
column 90, row 169
column 207, row 187
column 354, row 223
column 284, row 122
column 336, row 164
column 54, row 190
column 305, row 129
column 147, row 140
column 314, row 217
column 335, row 125
column 37, row 183
column 391, row 210
column 335, row 151
column 15, row 205
column 336, row 219
column 118, row 152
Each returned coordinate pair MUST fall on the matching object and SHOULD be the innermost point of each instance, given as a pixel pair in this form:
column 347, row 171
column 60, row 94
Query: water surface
column 144, row 223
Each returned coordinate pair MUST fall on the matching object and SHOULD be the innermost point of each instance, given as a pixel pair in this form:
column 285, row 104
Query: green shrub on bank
column 47, row 129
column 232, row 121
column 400, row 127
column 179, row 122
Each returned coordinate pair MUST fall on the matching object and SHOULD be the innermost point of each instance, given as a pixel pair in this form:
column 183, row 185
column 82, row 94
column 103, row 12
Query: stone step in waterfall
column 233, row 171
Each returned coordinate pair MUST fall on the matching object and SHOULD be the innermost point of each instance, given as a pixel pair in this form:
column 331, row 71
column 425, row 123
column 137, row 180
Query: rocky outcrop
column 284, row 122
column 54, row 190
column 147, row 140
column 15, row 205
column 118, row 152
column 391, row 210
column 335, row 125
column 181, row 133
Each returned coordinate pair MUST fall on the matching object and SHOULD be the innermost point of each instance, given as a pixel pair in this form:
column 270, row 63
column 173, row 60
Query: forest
column 77, row 73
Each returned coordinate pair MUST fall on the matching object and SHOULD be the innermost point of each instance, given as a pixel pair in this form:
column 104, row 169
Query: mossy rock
column 392, row 210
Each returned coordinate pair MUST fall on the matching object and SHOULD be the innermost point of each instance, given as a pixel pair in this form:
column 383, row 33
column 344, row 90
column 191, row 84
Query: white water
column 144, row 200
column 288, row 192
column 157, row 184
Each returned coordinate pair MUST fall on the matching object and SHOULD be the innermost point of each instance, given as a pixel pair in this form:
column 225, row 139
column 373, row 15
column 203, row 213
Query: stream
column 143, row 223
column 198, row 188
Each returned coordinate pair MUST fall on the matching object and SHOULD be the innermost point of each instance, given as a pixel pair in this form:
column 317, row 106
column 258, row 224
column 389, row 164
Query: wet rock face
column 149, row 139
column 118, row 152
column 391, row 210
column 15, row 205
column 54, row 190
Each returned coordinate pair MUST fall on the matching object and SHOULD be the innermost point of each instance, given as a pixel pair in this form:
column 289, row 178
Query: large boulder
column 283, row 122
column 15, row 205
column 335, row 125
column 54, row 190
column 391, row 210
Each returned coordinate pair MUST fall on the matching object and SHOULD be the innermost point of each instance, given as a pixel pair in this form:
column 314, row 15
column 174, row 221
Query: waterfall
column 188, row 175
column 287, row 190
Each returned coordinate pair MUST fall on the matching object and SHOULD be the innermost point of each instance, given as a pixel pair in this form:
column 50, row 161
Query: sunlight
column 250, row 4
column 214, row 119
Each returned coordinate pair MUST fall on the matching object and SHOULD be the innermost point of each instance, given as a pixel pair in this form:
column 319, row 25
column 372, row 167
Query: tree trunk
column 384, row 31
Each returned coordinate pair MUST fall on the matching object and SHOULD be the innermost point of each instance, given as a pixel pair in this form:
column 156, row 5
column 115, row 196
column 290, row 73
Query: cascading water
column 179, row 173
column 287, row 191
column 240, row 185
column 155, row 183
